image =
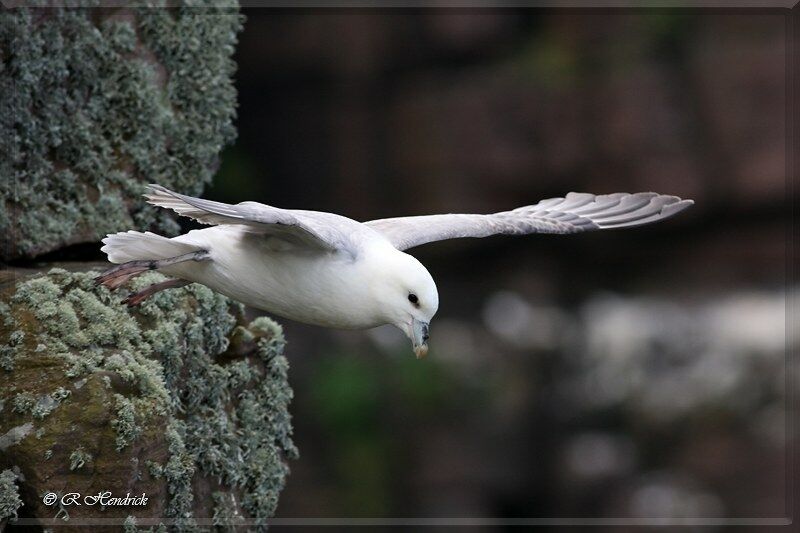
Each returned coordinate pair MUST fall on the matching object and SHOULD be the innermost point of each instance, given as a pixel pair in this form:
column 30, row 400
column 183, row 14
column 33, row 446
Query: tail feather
column 133, row 245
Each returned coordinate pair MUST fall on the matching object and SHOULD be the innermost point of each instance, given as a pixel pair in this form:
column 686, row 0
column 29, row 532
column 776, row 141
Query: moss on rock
column 99, row 102
column 9, row 496
column 78, row 458
column 155, row 400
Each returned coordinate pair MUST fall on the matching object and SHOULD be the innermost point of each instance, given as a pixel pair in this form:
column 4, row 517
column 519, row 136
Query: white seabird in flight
column 328, row 270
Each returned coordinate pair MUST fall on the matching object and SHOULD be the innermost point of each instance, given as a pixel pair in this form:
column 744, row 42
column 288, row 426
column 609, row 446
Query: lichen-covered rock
column 9, row 497
column 178, row 399
column 99, row 102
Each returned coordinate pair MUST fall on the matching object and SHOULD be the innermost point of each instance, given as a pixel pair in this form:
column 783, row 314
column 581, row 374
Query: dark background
column 638, row 373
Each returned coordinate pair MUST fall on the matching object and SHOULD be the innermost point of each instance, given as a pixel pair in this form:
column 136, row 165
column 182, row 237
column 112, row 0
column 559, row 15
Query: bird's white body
column 329, row 270
column 320, row 287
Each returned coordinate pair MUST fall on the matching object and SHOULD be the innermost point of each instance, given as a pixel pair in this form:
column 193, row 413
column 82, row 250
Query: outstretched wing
column 576, row 213
column 309, row 228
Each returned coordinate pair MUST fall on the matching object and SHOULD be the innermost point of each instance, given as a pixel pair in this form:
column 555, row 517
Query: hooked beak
column 419, row 337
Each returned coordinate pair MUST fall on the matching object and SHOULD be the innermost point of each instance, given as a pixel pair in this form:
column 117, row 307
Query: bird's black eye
column 413, row 298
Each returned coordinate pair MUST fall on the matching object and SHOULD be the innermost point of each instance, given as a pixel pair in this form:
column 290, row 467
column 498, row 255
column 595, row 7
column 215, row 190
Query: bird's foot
column 120, row 274
column 135, row 299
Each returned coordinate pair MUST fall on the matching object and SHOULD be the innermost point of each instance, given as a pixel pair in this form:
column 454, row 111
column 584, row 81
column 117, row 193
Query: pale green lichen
column 62, row 512
column 9, row 496
column 125, row 422
column 240, row 373
column 95, row 108
column 178, row 472
column 224, row 417
column 226, row 511
column 41, row 406
column 78, row 458
column 79, row 327
column 9, row 351
column 129, row 525
column 23, row 402
column 44, row 406
column 6, row 316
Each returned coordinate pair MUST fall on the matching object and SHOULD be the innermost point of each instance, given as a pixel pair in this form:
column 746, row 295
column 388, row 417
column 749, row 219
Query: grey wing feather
column 315, row 229
column 577, row 212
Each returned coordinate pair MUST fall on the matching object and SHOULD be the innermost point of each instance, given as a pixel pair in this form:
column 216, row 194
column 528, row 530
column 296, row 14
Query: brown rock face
column 178, row 401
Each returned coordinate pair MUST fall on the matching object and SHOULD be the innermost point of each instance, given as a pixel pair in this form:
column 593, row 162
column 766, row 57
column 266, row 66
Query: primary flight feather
column 329, row 270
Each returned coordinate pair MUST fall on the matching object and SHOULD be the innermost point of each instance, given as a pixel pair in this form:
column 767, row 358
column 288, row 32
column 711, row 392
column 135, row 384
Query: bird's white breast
column 312, row 286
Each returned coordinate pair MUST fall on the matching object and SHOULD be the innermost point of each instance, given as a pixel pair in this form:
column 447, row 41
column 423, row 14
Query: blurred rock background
column 630, row 374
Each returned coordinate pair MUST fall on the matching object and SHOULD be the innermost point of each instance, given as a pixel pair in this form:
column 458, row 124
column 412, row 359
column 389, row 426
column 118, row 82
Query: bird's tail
column 133, row 245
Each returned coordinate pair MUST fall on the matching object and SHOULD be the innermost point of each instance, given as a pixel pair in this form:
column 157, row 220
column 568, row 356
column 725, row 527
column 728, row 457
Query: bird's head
column 409, row 299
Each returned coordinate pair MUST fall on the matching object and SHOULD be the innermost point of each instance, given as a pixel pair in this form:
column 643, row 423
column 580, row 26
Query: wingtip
column 156, row 188
column 684, row 203
column 155, row 192
column 672, row 209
